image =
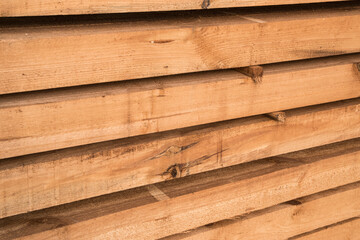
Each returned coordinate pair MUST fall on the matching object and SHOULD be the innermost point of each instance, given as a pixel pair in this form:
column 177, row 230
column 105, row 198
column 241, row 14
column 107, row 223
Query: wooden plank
column 16, row 8
column 285, row 220
column 44, row 180
column 344, row 230
column 195, row 201
column 51, row 55
column 43, row 121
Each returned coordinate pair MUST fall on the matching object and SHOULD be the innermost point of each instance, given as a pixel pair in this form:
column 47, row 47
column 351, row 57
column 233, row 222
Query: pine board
column 114, row 48
column 44, row 180
column 16, row 8
column 346, row 230
column 286, row 220
column 50, row 120
column 188, row 203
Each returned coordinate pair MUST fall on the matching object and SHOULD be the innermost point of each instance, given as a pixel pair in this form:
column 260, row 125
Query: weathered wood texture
column 43, row 180
column 194, row 201
column 51, row 55
column 285, row 220
column 347, row 230
column 12, row 8
column 43, row 121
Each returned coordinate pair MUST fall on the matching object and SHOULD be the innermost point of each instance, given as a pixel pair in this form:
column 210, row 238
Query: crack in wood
column 172, row 150
column 161, row 41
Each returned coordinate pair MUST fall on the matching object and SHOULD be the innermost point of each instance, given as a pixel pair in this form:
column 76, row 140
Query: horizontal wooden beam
column 313, row 212
column 172, row 207
column 49, row 120
column 51, row 54
column 349, row 229
column 44, row 180
column 16, row 8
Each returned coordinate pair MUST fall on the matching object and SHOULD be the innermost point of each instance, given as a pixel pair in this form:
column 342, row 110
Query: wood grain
column 345, row 230
column 285, row 220
column 193, row 201
column 49, row 120
column 64, row 7
column 44, row 180
column 52, row 55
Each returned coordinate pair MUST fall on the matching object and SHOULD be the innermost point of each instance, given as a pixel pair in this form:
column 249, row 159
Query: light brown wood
column 342, row 231
column 43, row 121
column 194, row 201
column 51, row 55
column 285, row 220
column 44, row 180
column 11, row 8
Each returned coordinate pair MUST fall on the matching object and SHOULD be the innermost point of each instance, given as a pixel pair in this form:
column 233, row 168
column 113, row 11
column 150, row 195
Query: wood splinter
column 278, row 116
column 255, row 72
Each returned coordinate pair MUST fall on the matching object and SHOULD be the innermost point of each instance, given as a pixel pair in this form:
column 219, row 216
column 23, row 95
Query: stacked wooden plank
column 227, row 120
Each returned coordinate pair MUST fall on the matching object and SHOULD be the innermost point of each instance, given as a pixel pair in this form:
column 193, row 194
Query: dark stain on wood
column 205, row 4
column 356, row 67
column 162, row 41
column 174, row 171
column 177, row 170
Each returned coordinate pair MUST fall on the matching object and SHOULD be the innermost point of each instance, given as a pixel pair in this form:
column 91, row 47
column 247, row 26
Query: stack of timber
column 193, row 119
